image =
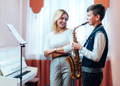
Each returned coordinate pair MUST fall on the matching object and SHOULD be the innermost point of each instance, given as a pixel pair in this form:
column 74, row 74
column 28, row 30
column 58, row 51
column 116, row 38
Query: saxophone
column 74, row 60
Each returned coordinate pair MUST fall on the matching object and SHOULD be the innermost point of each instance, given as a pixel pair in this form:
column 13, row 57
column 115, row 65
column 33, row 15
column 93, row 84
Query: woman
column 59, row 49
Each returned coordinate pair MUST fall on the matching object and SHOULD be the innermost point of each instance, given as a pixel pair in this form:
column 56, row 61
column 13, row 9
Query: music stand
column 21, row 44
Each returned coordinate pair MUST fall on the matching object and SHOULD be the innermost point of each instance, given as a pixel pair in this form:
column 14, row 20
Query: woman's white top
column 62, row 39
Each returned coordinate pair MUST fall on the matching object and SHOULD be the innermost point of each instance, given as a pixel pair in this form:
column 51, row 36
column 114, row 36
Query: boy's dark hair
column 98, row 9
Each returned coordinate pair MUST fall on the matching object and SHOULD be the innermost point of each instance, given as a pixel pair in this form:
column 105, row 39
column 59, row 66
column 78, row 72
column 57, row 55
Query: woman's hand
column 48, row 53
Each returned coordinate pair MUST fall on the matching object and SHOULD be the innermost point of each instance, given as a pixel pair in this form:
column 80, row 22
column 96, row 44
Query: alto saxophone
column 74, row 60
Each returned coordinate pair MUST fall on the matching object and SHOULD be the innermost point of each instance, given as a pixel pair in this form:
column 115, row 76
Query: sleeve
column 47, row 45
column 68, row 48
column 99, row 45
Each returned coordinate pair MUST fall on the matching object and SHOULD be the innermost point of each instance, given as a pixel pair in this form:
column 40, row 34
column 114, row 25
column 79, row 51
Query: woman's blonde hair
column 57, row 15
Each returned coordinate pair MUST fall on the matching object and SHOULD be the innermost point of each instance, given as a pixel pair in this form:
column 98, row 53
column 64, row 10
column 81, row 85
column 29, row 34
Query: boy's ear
column 97, row 17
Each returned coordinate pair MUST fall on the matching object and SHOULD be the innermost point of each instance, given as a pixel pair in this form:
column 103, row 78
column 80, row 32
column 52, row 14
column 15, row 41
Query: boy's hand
column 76, row 46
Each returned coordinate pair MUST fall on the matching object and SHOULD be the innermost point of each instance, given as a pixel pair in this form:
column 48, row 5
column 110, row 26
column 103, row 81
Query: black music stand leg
column 21, row 54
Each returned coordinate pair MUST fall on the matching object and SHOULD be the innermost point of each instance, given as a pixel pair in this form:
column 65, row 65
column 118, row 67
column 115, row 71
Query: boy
column 95, row 48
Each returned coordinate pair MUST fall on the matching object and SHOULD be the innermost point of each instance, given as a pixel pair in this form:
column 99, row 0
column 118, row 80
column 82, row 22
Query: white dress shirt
column 98, row 48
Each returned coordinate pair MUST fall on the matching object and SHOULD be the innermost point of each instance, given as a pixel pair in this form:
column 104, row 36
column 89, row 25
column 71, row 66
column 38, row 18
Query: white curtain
column 39, row 25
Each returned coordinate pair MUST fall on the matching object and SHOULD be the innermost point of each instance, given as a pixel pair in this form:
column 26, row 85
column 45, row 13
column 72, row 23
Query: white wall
column 114, row 39
column 10, row 12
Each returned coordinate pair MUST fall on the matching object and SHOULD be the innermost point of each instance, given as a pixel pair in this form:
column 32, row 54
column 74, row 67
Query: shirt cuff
column 83, row 50
column 67, row 48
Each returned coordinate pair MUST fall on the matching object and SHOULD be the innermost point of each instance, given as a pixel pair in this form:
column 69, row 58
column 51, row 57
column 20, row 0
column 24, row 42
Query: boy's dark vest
column 90, row 44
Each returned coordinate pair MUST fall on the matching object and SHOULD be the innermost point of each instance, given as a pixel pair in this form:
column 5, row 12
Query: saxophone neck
column 81, row 25
column 74, row 34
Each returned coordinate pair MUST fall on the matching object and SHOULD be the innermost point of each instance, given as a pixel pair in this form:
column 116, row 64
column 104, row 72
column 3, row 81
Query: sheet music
column 15, row 34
